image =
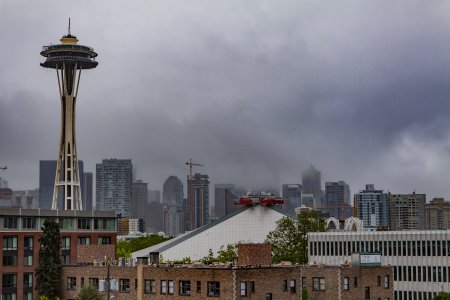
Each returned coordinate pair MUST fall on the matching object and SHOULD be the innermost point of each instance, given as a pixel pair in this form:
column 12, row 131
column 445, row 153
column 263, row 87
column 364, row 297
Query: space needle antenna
column 69, row 26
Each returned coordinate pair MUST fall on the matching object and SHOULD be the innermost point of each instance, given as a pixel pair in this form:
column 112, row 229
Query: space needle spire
column 68, row 59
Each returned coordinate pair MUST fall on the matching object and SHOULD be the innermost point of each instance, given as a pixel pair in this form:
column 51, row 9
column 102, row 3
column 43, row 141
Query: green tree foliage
column 209, row 259
column 442, row 296
column 89, row 293
column 48, row 273
column 290, row 241
column 227, row 254
column 125, row 248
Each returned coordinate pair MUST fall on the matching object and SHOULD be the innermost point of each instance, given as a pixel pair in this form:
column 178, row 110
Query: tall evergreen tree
column 290, row 238
column 48, row 273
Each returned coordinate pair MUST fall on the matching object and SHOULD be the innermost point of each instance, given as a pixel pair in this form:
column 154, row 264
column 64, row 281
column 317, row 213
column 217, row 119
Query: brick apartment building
column 85, row 236
column 250, row 282
column 253, row 277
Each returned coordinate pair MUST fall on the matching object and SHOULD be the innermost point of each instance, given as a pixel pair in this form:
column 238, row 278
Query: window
column 303, row 282
column 71, row 283
column 28, row 260
column 9, row 280
column 28, row 296
column 10, row 243
column 163, row 287
column 252, row 286
column 82, row 282
column 9, row 296
column 269, row 296
column 65, row 243
column 104, row 224
column 213, row 288
column 285, row 285
column 319, row 283
column 367, row 293
column 185, row 287
column 355, row 281
column 10, row 222
column 149, row 286
column 28, row 280
column 292, row 286
column 346, row 287
column 29, row 222
column 28, row 243
column 124, row 285
column 170, row 287
column 104, row 240
column 65, row 259
column 93, row 282
column 10, row 260
column 84, row 224
column 66, row 224
column 243, row 288
column 386, row 282
column 199, row 286
column 84, row 240
column 378, row 280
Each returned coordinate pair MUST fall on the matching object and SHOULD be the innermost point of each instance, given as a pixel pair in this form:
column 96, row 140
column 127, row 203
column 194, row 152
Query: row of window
column 422, row 273
column 12, row 222
column 386, row 248
column 9, row 280
column 414, row 295
column 27, row 295
column 346, row 282
column 10, row 242
column 184, row 287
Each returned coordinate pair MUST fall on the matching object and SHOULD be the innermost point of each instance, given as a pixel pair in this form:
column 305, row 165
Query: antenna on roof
column 69, row 26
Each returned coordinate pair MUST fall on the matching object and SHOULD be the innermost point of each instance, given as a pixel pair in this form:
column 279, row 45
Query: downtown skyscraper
column 173, row 199
column 197, row 210
column 371, row 206
column 114, row 182
column 311, row 185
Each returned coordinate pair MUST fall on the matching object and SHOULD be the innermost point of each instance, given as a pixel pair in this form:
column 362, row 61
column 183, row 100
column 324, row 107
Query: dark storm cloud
column 256, row 90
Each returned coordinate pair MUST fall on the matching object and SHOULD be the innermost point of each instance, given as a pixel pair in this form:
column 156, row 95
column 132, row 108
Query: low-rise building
column 420, row 258
column 85, row 236
column 234, row 282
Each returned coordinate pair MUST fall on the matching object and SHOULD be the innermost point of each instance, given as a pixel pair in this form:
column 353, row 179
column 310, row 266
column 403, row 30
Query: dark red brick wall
column 254, row 254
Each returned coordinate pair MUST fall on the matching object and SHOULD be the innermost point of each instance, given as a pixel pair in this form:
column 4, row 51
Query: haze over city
column 255, row 90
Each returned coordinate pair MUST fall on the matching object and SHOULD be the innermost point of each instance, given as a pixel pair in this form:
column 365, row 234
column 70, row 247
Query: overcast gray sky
column 256, row 90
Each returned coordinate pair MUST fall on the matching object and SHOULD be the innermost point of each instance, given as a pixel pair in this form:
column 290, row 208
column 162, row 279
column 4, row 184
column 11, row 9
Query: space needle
column 68, row 59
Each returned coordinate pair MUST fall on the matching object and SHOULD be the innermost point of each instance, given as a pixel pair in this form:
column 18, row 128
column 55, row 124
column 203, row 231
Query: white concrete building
column 248, row 224
column 421, row 259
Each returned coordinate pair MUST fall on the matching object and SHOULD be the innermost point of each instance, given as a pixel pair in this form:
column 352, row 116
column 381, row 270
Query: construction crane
column 4, row 168
column 190, row 163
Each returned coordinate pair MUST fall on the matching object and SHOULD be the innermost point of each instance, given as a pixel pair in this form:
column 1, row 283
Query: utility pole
column 190, row 201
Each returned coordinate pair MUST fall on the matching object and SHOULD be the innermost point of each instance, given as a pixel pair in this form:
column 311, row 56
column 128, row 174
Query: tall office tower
column 406, row 211
column 88, row 190
column 114, row 179
column 225, row 196
column 292, row 196
column 198, row 201
column 337, row 200
column 68, row 59
column 173, row 195
column 337, row 193
column 311, row 184
column 371, row 206
column 437, row 214
column 156, row 217
column 139, row 198
column 47, row 169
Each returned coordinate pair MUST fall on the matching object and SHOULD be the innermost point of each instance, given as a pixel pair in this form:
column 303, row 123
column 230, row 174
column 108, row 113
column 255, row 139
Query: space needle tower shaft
column 68, row 59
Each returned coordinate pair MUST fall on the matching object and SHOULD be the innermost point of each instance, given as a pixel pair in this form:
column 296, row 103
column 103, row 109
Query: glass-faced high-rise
column 114, row 180
column 371, row 207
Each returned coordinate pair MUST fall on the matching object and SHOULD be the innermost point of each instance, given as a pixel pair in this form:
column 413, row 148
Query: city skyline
column 255, row 91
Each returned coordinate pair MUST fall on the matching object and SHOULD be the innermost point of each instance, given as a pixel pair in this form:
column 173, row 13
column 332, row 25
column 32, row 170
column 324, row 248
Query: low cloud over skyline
column 256, row 90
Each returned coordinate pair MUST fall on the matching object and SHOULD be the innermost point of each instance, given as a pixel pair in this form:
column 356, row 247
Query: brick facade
column 276, row 282
column 254, row 254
